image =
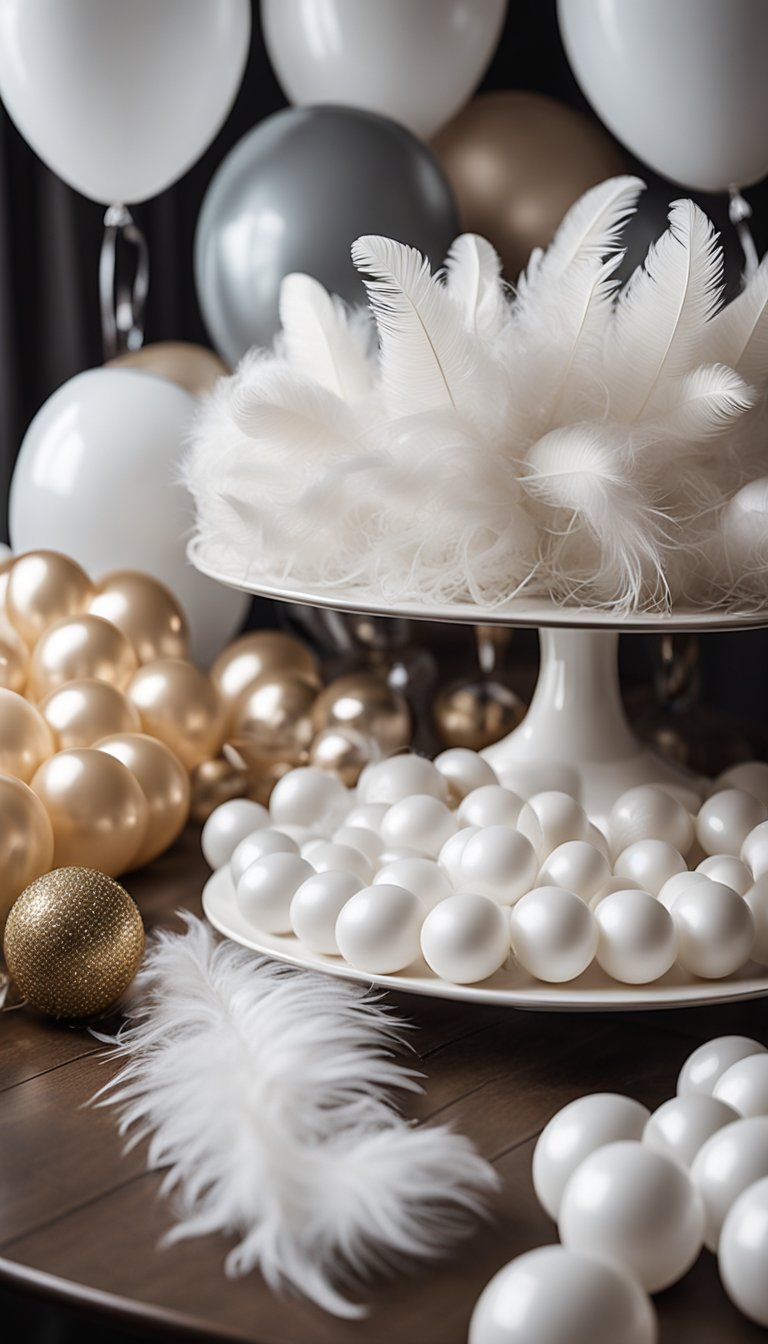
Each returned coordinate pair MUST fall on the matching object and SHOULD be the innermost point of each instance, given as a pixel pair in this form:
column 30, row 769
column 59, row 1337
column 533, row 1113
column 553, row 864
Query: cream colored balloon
column 25, row 738
column 181, row 705
column 254, row 654
column 96, row 808
column 273, row 720
column 163, row 781
column 365, row 703
column 214, row 782
column 146, row 611
column 79, row 713
column 26, row 841
column 14, row 657
column 80, row 647
column 44, row 587
column 193, row 367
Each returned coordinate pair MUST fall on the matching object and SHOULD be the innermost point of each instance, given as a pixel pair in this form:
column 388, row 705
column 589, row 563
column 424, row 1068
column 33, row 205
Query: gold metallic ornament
column 26, row 840
column 273, row 719
column 164, row 783
column 259, row 652
column 44, row 587
column 365, row 703
column 146, row 611
column 80, row 647
column 81, row 712
column 73, row 943
column 343, row 752
column 214, row 782
column 180, row 704
column 193, row 367
column 25, row 738
column 476, row 714
column 96, row 807
column 14, row 657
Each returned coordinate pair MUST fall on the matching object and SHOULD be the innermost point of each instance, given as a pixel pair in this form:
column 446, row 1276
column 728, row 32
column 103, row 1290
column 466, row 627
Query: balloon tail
column 739, row 212
column 122, row 299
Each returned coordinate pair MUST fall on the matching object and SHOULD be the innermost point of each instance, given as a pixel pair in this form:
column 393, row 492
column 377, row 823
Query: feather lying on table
column 266, row 1093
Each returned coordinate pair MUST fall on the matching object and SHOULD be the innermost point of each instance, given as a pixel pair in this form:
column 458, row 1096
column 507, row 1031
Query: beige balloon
column 343, row 752
column 180, row 704
column 25, row 738
column 79, row 713
column 214, row 782
column 26, row 841
column 77, row 648
column 193, row 367
column 365, row 703
column 96, row 808
column 253, row 654
column 273, row 720
column 164, row 783
column 14, row 657
column 475, row 714
column 146, row 611
column 44, row 587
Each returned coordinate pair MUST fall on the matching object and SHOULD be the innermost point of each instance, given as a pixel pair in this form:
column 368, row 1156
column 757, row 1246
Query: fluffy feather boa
column 266, row 1094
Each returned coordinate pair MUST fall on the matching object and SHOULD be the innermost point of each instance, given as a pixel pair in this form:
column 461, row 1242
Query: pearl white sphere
column 651, row 863
column 396, row 853
column 399, row 777
column 310, row 797
column 255, row 847
column 421, row 876
column 608, row 888
column 729, row 870
column 675, row 886
column 317, row 904
column 577, row 866
column 595, row 837
column 757, row 900
column 420, row 822
column 754, row 851
column 549, row 819
column 637, row 939
column 378, row 929
column 751, row 776
column 449, row 857
column 266, row 889
column 301, row 835
column 682, row 1125
column 498, row 862
column 715, row 929
column 631, row 1204
column 744, row 1086
column 558, row 1296
column 554, row 935
column 367, row 816
column 359, row 837
column 465, row 938
column 709, row 1061
column 580, row 1128
column 490, row 805
column 464, row 770
column 728, row 1163
column 227, row 825
column 726, row 819
column 742, row 1257
column 648, row 812
column 324, row 855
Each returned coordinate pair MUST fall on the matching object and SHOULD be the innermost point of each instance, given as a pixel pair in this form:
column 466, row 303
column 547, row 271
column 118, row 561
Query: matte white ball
column 728, row 1163
column 675, row 886
column 631, row 1204
column 253, row 847
column 744, row 1086
column 637, row 939
column 750, row 776
column 498, row 862
column 549, row 819
column 757, row 900
column 754, row 851
column 651, row 863
column 580, row 1128
column 378, row 930
column 491, row 805
column 464, row 770
column 367, row 816
column 709, row 1061
column 420, row 822
column 227, row 825
column 449, row 857
column 648, row 812
column 324, row 856
column 558, row 1296
column 465, row 938
column 399, row 777
column 266, row 889
column 577, row 866
column 715, row 929
column 682, row 1125
column 310, row 797
column 729, row 870
column 554, row 934
column 726, row 819
column 421, row 876
column 742, row 1257
column 317, row 904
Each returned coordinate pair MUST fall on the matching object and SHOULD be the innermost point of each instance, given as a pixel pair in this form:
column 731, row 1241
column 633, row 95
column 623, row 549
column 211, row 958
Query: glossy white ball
column 325, row 855
column 367, row 816
column 725, row 820
column 651, row 863
column 421, row 876
column 317, row 904
column 728, row 1163
column 227, row 825
column 265, row 891
column 464, row 770
column 729, row 870
column 675, row 886
column 744, row 1086
column 681, row 1126
column 554, row 934
column 310, row 797
column 378, row 929
column 549, row 819
column 715, row 929
column 449, row 857
column 637, row 939
column 754, row 851
column 255, row 846
column 608, row 888
column 577, row 866
column 420, row 822
column 648, row 812
column 490, row 805
column 757, row 900
column 750, row 776
column 465, row 938
column 580, row 1128
column 498, row 862
column 400, row 777
column 359, row 837
column 743, row 1252
column 708, row 1063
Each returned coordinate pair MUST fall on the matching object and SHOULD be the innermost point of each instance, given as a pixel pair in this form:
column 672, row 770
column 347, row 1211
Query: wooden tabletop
column 80, row 1222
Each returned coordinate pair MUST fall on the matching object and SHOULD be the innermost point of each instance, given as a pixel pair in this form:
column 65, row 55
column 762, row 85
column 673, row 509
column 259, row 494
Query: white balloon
column 705, row 62
column 709, row 1061
column 417, row 63
column 637, row 939
column 419, row 822
column 744, row 1086
column 227, row 825
column 580, row 1128
column 425, row 878
column 649, row 812
column 715, row 929
column 256, row 846
column 558, row 1296
column 490, row 805
column 554, row 934
column 119, row 509
column 757, row 900
column 651, row 863
column 682, row 1125
column 310, row 797
column 751, row 776
column 577, row 866
column 631, row 1204
column 728, row 1163
column 118, row 99
column 729, row 870
column 398, row 777
column 464, row 770
column 726, row 819
column 498, row 862
column 267, row 887
column 465, row 938
column 378, row 929
column 549, row 819
column 754, row 851
column 317, row 904
column 742, row 1256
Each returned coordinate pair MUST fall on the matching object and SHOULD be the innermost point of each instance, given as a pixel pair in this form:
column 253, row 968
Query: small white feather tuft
column 323, row 341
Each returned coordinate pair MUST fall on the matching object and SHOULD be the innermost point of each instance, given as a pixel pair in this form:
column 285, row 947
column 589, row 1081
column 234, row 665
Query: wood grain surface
column 81, row 1223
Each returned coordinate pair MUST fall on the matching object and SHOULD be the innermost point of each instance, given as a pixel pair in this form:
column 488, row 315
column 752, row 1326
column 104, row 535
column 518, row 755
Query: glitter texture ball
column 73, row 942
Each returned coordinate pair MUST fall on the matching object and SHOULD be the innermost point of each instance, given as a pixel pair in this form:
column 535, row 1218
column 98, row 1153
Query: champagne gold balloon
column 164, row 783
column 81, row 712
column 343, row 752
column 215, row 782
column 26, row 841
column 97, row 810
column 365, row 703
column 273, row 719
column 191, row 366
column 147, row 613
column 44, row 587
column 78, row 648
column 263, row 778
column 254, row 654
column 73, row 943
column 14, row 657
column 25, row 738
column 476, row 714
column 517, row 162
column 180, row 704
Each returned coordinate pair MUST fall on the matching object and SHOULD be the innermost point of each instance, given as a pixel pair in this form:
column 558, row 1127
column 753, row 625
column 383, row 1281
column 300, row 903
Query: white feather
column 320, row 341
column 738, row 335
column 700, row 405
column 473, row 281
column 591, row 231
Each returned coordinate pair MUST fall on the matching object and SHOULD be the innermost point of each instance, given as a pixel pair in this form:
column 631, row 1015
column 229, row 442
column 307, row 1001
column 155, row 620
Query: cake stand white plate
column 510, row 987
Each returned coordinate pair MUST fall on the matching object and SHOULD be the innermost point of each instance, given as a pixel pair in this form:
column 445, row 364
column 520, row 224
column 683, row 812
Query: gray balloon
column 293, row 195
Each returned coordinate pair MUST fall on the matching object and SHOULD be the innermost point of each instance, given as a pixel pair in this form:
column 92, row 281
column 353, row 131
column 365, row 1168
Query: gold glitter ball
column 73, row 942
